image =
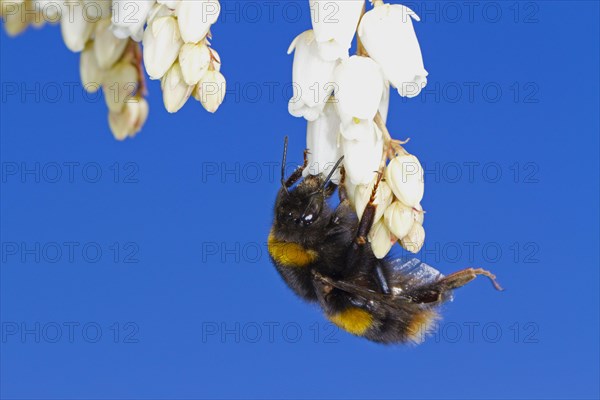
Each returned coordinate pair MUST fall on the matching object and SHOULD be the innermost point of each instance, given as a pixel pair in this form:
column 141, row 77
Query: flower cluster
column 345, row 100
column 176, row 49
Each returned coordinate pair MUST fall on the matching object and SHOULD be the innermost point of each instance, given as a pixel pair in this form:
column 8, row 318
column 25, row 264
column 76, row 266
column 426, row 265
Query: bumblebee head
column 304, row 205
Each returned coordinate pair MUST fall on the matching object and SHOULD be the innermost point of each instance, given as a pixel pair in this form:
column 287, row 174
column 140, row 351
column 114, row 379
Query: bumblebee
column 324, row 256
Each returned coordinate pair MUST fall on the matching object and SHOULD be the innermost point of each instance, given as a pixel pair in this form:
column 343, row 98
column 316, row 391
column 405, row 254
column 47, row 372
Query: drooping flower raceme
column 176, row 50
column 176, row 40
column 347, row 118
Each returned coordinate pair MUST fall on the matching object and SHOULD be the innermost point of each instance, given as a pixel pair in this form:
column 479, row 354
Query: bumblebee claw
column 461, row 278
column 492, row 278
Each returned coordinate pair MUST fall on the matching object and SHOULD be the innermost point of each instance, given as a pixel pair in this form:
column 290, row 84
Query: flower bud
column 75, row 26
column 415, row 238
column 195, row 18
column 107, row 47
column 381, row 239
column 210, row 91
column 399, row 219
column 404, row 174
column 12, row 15
column 162, row 42
column 194, row 59
column 119, row 84
column 49, row 10
column 216, row 59
column 130, row 120
column 175, row 91
column 129, row 17
column 383, row 198
column 91, row 73
column 419, row 214
column 159, row 10
column 172, row 4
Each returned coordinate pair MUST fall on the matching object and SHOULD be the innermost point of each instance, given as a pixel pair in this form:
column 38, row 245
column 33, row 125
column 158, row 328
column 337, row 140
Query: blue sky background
column 189, row 305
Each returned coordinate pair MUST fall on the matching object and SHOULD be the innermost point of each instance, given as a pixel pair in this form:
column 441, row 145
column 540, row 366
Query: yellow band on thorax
column 290, row 254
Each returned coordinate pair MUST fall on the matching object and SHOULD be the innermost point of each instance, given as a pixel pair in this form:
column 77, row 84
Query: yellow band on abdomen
column 354, row 320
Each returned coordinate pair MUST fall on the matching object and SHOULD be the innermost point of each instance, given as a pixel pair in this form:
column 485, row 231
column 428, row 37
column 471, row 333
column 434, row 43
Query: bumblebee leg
column 358, row 247
column 462, row 277
column 297, row 174
column 437, row 291
column 342, row 191
column 368, row 217
column 382, row 280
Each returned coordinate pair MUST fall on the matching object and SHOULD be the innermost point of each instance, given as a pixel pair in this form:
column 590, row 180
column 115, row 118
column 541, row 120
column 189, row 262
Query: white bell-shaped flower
column 322, row 143
column 162, row 42
column 383, row 198
column 334, row 23
column 399, row 219
column 75, row 26
column 89, row 70
column 175, row 91
column 130, row 120
column 359, row 88
column 362, row 156
column 195, row 18
column 129, row 17
column 404, row 174
column 210, row 91
column 381, row 239
column 194, row 59
column 107, row 47
column 312, row 76
column 415, row 238
column 388, row 35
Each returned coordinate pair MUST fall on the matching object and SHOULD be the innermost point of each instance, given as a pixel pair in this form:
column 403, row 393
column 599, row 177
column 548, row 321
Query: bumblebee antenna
column 285, row 146
column 335, row 167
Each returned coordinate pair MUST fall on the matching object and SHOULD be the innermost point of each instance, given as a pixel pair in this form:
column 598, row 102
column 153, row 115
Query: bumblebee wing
column 364, row 292
column 407, row 277
column 411, row 272
column 412, row 278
